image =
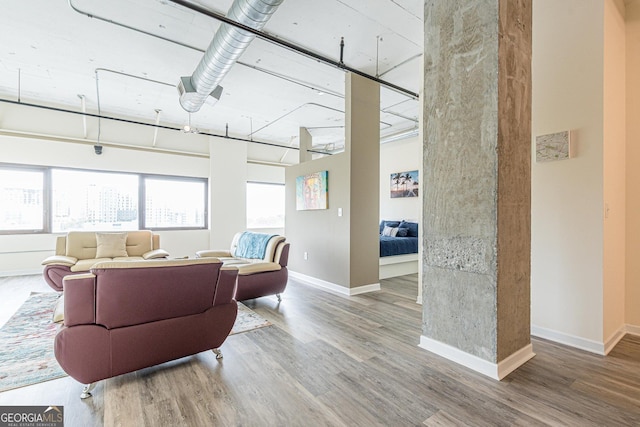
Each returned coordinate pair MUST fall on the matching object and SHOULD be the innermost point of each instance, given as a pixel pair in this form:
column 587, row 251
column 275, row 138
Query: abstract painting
column 312, row 191
column 554, row 146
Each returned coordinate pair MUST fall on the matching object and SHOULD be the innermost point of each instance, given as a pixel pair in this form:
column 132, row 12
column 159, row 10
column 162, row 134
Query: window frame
column 47, row 196
column 142, row 200
column 265, row 183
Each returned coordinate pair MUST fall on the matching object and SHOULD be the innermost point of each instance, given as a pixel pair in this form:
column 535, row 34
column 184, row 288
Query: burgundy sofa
column 261, row 271
column 125, row 316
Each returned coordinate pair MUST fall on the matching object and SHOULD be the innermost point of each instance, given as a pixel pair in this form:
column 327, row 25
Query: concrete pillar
column 477, row 178
column 306, row 142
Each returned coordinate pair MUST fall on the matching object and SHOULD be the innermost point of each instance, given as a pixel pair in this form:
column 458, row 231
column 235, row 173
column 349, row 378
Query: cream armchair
column 261, row 260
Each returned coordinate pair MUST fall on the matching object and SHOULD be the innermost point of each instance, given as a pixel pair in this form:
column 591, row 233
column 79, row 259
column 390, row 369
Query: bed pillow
column 389, row 231
column 402, row 232
column 412, row 228
column 384, row 223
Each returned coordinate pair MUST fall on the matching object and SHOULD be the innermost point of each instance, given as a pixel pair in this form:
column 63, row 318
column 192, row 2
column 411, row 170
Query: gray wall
column 342, row 250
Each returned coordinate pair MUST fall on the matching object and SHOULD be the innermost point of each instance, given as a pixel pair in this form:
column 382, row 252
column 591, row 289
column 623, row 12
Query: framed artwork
column 404, row 184
column 312, row 191
column 554, row 146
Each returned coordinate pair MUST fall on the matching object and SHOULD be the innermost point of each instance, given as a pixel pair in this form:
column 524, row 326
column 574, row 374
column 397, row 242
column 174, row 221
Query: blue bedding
column 390, row 246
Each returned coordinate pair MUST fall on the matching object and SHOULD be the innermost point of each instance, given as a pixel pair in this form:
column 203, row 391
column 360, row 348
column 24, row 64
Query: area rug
column 248, row 320
column 26, row 341
column 26, row 344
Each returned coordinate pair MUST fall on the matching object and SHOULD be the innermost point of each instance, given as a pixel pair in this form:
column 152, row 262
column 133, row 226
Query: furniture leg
column 218, row 353
column 86, row 390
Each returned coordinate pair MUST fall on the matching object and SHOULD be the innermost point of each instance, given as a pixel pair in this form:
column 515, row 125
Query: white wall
column 399, row 156
column 567, row 196
column 632, row 277
column 614, row 170
column 228, row 190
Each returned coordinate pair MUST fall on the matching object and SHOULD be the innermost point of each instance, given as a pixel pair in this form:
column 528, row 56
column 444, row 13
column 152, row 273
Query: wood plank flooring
column 332, row 360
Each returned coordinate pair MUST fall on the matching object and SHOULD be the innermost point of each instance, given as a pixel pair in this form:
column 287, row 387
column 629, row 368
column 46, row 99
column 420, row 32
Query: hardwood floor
column 346, row 361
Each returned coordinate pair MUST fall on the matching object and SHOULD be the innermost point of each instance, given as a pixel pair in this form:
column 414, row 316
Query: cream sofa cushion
column 111, row 245
column 256, row 267
column 139, row 242
column 81, row 244
column 86, row 264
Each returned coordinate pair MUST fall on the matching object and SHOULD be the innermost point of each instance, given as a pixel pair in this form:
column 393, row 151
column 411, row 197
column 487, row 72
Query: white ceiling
column 56, row 53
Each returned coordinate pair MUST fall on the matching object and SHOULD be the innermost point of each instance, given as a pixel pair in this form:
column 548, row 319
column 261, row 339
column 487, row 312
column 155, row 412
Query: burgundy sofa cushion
column 130, row 296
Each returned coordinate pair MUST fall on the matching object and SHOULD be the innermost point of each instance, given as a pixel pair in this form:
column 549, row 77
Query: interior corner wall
column 227, row 190
column 632, row 270
column 567, row 196
column 614, row 131
column 399, row 156
column 322, row 234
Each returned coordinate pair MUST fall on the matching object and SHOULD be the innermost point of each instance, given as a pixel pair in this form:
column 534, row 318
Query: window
column 22, row 196
column 55, row 200
column 83, row 200
column 265, row 205
column 173, row 203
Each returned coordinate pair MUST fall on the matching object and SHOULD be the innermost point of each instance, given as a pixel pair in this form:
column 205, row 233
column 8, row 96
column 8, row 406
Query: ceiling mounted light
column 188, row 128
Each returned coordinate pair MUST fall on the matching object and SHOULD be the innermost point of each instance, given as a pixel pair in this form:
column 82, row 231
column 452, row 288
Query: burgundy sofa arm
column 79, row 299
column 283, row 260
column 227, row 283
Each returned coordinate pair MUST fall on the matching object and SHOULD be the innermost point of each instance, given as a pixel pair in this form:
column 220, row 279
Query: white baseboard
column 601, row 348
column 633, row 329
column 323, row 284
column 496, row 371
column 614, row 339
column 20, row 273
column 568, row 339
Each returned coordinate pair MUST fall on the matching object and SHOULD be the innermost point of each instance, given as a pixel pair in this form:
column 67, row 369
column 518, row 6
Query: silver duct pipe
column 226, row 47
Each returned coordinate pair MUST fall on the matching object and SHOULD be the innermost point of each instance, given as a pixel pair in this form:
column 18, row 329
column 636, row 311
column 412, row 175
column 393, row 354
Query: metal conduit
column 226, row 47
column 118, row 119
column 293, row 47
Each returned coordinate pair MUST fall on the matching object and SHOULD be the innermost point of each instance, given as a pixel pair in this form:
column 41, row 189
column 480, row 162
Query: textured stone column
column 477, row 198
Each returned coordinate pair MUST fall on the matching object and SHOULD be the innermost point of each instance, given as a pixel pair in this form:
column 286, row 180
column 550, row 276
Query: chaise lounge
column 125, row 316
column 261, row 260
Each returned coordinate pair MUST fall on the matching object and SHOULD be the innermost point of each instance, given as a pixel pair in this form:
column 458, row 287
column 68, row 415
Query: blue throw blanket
column 252, row 245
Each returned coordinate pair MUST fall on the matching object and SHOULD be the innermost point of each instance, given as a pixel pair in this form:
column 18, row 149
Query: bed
column 398, row 238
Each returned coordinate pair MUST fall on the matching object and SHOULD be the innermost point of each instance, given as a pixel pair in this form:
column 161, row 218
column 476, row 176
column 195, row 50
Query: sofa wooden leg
column 279, row 297
column 218, row 353
column 86, row 390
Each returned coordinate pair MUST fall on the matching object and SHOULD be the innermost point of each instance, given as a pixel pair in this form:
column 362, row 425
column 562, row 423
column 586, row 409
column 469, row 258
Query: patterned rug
column 26, row 344
column 248, row 320
column 26, row 341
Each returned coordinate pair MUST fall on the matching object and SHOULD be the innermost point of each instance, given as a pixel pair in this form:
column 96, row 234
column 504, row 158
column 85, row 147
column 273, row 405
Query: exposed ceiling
column 137, row 50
